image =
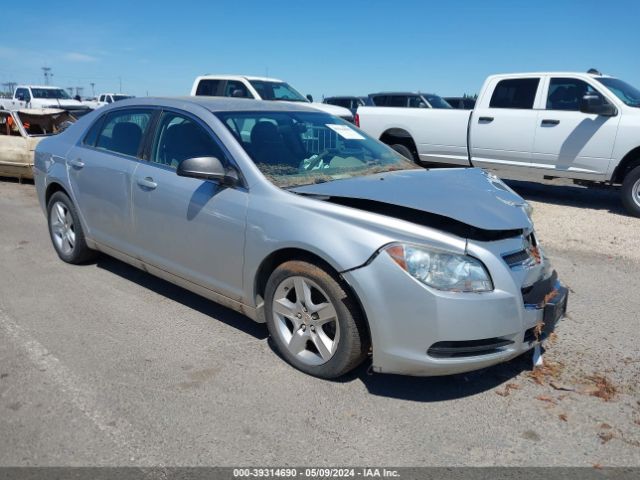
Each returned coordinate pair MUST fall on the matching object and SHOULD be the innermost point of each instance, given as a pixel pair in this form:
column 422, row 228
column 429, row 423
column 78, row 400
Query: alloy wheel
column 62, row 228
column 306, row 321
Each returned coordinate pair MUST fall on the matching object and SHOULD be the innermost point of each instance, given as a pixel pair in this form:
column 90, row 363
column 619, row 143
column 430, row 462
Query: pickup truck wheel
column 404, row 151
column 631, row 192
column 313, row 320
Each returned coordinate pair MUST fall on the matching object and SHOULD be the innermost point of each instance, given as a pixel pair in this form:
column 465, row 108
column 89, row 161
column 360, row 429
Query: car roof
column 49, row 87
column 400, row 93
column 555, row 74
column 218, row 104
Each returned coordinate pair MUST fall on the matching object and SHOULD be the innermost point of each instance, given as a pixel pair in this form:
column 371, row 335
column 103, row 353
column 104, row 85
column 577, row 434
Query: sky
column 321, row 47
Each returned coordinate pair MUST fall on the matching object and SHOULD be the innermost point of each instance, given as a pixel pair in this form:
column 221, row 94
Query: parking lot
column 106, row 365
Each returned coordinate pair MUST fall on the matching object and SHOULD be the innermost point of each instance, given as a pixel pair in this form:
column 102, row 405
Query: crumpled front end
column 419, row 330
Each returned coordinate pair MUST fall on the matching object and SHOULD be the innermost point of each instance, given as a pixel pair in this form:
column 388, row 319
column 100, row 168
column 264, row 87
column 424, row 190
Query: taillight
column 356, row 120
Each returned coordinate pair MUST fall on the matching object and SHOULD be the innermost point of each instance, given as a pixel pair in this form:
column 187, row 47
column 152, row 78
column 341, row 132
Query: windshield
column 300, row 148
column 121, row 97
column 47, row 124
column 55, row 93
column 436, row 102
column 625, row 92
column 277, row 91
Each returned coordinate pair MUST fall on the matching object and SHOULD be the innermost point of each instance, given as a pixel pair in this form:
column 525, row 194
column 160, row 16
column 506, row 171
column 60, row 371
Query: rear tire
column 404, row 151
column 313, row 320
column 66, row 231
column 631, row 192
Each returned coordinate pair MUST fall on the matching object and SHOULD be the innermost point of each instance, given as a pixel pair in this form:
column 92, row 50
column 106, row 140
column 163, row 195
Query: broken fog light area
column 468, row 348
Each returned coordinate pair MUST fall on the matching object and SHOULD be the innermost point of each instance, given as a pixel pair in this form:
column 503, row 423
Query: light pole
column 47, row 74
column 93, row 89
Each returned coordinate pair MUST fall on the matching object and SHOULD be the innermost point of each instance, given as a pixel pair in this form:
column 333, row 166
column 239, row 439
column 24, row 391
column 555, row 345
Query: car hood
column 470, row 196
column 332, row 109
column 62, row 103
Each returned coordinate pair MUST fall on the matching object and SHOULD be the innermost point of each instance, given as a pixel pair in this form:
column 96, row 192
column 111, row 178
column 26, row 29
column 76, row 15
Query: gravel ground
column 106, row 365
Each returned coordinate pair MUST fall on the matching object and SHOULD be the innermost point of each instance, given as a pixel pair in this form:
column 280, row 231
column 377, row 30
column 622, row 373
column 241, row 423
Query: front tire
column 313, row 320
column 631, row 192
column 66, row 231
column 404, row 151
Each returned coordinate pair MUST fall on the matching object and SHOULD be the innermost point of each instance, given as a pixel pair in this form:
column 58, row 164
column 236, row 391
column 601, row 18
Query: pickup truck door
column 191, row 228
column 503, row 125
column 568, row 141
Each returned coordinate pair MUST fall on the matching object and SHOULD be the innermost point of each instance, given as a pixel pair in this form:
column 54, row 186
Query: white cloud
column 79, row 57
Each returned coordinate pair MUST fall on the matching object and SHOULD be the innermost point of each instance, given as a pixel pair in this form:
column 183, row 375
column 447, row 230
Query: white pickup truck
column 43, row 96
column 105, row 99
column 259, row 88
column 582, row 126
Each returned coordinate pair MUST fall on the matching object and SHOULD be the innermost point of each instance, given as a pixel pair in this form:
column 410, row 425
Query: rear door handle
column 485, row 119
column 147, row 182
column 547, row 121
column 77, row 163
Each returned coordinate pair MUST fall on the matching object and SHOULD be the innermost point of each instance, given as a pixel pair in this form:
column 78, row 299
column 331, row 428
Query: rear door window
column 396, row 101
column 208, row 87
column 233, row 88
column 123, row 131
column 518, row 93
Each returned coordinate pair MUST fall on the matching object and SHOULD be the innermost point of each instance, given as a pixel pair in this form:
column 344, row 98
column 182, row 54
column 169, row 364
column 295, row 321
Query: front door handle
column 549, row 122
column 485, row 119
column 77, row 163
column 147, row 182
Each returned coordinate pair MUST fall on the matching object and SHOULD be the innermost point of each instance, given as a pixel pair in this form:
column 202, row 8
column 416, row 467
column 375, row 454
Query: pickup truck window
column 277, row 91
column 397, row 101
column 566, row 93
column 54, row 93
column 515, row 93
column 240, row 90
column 625, row 92
column 437, row 102
column 23, row 94
column 208, row 87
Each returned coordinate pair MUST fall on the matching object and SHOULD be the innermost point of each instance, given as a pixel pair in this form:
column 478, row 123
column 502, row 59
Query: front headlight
column 441, row 270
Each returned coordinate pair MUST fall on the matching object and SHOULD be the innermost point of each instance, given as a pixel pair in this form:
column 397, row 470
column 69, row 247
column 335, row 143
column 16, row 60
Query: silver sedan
column 300, row 220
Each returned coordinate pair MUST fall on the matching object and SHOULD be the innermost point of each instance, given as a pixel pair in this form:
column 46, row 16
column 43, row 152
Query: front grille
column 516, row 258
column 468, row 348
column 529, row 255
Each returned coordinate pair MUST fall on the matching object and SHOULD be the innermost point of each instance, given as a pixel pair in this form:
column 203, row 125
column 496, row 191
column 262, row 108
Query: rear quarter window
column 517, row 93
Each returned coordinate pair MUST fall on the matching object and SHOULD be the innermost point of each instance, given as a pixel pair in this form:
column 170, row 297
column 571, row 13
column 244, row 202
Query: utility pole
column 120, row 79
column 79, row 91
column 93, row 89
column 47, row 74
column 10, row 86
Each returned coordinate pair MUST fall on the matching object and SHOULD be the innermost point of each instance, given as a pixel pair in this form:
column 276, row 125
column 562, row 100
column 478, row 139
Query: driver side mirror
column 237, row 93
column 208, row 168
column 422, row 105
column 309, row 97
column 596, row 104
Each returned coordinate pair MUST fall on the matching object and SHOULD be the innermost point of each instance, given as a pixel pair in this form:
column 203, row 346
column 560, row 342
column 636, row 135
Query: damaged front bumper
column 418, row 330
